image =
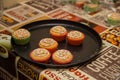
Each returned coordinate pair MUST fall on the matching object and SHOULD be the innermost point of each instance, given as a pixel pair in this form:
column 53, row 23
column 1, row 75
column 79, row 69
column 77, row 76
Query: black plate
column 40, row 29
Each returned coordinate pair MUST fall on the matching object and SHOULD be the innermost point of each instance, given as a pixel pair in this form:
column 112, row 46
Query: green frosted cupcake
column 95, row 1
column 21, row 36
column 90, row 8
column 113, row 18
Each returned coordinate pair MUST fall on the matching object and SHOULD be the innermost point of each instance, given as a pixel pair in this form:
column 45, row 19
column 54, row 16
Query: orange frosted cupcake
column 58, row 33
column 40, row 55
column 62, row 57
column 75, row 37
column 49, row 44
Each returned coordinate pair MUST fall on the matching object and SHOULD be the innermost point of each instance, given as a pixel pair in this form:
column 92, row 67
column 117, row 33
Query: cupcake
column 58, row 33
column 80, row 3
column 62, row 57
column 90, row 7
column 113, row 18
column 49, row 44
column 21, row 36
column 95, row 1
column 40, row 55
column 75, row 37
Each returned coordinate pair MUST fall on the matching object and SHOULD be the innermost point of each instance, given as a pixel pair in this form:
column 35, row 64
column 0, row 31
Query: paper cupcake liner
column 21, row 41
column 113, row 22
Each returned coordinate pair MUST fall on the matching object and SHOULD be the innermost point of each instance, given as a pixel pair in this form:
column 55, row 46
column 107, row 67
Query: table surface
column 105, row 66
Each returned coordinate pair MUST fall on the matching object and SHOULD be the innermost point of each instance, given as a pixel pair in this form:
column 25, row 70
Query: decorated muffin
column 90, row 7
column 113, row 18
column 62, row 57
column 21, row 36
column 80, row 3
column 58, row 33
column 95, row 1
column 40, row 55
column 49, row 44
column 75, row 37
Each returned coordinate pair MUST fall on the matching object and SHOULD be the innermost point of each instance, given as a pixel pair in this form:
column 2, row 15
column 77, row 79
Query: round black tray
column 82, row 53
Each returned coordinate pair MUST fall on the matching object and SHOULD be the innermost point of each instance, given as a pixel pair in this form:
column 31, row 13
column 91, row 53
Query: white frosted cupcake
column 62, row 56
column 48, row 43
column 90, row 8
column 21, row 36
column 75, row 37
column 113, row 18
column 58, row 33
column 40, row 55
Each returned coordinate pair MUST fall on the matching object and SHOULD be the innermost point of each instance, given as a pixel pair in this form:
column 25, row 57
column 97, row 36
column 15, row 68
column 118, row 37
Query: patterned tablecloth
column 105, row 66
